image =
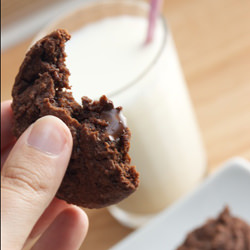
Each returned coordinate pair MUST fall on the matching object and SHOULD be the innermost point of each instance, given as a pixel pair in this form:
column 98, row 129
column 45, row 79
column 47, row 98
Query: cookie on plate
column 223, row 233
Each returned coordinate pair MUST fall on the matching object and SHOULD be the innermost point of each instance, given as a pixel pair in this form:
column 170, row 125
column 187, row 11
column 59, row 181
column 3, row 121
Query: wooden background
column 213, row 41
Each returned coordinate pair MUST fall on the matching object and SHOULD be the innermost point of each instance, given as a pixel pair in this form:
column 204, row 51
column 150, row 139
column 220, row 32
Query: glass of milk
column 107, row 55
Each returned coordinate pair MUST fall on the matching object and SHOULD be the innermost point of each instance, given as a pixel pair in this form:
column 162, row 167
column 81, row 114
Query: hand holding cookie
column 32, row 170
column 76, row 152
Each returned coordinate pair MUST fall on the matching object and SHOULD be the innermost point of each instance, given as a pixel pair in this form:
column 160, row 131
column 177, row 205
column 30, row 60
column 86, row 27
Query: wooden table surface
column 213, row 41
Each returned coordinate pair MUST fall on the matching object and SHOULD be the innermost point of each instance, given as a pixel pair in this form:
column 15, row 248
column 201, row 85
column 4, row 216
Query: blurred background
column 21, row 19
column 213, row 42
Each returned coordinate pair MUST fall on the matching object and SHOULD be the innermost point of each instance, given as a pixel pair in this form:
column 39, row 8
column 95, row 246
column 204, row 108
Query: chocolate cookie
column 99, row 173
column 223, row 233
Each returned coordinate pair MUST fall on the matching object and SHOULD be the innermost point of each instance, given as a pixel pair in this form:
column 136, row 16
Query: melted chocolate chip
column 116, row 123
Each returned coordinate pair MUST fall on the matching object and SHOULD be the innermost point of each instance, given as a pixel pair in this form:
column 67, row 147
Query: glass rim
column 89, row 5
column 148, row 69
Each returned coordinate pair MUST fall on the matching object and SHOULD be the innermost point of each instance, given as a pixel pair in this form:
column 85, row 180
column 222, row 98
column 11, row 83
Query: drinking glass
column 166, row 145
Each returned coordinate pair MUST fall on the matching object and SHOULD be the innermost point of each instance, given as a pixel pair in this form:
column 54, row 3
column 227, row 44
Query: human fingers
column 66, row 232
column 49, row 215
column 6, row 120
column 31, row 176
column 5, row 153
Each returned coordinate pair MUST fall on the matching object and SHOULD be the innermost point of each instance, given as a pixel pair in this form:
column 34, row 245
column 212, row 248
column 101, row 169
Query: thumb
column 31, row 176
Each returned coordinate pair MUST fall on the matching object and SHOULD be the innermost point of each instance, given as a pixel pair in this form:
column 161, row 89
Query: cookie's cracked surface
column 99, row 173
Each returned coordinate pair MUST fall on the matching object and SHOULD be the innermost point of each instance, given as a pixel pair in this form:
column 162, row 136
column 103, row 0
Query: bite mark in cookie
column 99, row 173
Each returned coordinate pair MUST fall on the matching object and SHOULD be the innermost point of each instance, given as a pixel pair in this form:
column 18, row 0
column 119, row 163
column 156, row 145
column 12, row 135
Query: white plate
column 230, row 185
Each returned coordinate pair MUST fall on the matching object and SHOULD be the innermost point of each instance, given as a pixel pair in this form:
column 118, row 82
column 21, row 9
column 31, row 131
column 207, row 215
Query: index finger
column 6, row 124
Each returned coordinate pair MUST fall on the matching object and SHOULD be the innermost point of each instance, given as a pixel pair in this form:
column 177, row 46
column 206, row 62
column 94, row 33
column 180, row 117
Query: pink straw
column 155, row 6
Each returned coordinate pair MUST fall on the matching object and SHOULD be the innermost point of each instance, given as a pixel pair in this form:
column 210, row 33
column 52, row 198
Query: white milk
column 106, row 56
column 166, row 147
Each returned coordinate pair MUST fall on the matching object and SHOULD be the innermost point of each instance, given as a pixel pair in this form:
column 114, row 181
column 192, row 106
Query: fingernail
column 48, row 136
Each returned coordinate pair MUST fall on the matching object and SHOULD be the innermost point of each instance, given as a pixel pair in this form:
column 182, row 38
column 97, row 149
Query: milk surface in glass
column 110, row 57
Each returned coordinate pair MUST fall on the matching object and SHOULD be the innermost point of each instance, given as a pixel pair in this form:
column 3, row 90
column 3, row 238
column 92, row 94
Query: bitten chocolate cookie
column 223, row 233
column 99, row 173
